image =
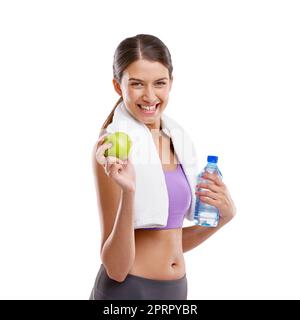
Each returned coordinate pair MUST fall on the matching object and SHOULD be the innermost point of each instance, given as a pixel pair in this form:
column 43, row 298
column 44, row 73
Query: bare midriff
column 158, row 254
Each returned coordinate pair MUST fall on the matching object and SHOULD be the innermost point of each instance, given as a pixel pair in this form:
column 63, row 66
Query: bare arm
column 195, row 235
column 118, row 252
column 216, row 195
column 115, row 186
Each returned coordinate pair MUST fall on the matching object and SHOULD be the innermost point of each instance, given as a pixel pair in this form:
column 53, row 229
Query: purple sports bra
column 179, row 198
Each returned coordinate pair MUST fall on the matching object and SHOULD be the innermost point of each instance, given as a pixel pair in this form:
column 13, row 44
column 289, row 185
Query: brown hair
column 141, row 46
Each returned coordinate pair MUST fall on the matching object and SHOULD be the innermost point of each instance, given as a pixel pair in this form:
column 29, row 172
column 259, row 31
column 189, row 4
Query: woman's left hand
column 217, row 195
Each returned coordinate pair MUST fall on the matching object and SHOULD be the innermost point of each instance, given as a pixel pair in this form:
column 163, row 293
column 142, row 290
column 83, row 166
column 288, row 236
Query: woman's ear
column 171, row 82
column 117, row 87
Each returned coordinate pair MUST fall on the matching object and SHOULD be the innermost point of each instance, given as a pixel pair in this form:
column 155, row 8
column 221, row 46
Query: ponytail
column 110, row 117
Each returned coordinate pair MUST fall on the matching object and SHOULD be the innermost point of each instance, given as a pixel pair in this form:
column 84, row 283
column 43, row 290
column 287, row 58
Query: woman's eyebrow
column 135, row 79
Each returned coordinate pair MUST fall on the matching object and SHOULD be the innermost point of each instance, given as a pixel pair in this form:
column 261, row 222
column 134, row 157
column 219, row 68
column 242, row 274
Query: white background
column 236, row 91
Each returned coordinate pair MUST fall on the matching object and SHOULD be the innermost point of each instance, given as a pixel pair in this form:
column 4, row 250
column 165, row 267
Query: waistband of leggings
column 132, row 276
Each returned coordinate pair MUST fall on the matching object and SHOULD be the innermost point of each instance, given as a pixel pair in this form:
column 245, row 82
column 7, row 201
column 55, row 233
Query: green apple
column 121, row 144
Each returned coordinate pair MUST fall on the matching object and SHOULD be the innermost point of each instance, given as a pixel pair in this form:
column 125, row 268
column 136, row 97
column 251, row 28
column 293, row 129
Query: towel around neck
column 151, row 197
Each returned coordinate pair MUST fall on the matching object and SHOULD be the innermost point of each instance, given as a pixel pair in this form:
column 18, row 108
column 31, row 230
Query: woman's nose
column 149, row 95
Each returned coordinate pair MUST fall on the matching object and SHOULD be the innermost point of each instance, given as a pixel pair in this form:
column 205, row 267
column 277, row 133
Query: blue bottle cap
column 212, row 159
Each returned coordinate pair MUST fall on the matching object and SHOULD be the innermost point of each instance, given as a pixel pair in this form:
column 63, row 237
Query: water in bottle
column 207, row 215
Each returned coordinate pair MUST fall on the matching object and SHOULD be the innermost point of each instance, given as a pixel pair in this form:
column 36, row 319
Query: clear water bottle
column 205, row 214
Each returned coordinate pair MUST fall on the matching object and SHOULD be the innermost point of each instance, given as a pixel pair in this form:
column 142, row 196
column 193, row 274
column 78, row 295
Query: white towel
column 151, row 203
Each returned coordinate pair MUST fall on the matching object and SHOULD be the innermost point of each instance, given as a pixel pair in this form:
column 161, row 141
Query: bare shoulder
column 108, row 195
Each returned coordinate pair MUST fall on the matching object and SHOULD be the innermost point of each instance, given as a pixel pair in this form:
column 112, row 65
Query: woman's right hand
column 121, row 171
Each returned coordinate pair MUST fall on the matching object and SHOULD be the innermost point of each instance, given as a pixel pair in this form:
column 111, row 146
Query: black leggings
column 137, row 288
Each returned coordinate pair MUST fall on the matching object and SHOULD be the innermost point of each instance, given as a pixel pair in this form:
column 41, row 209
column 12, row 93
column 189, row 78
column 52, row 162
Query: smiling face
column 145, row 88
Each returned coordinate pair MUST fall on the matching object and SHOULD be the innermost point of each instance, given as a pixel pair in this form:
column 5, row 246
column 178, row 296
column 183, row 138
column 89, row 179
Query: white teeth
column 149, row 108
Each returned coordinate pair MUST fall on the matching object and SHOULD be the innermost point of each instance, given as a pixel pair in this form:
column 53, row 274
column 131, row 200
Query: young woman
column 146, row 263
